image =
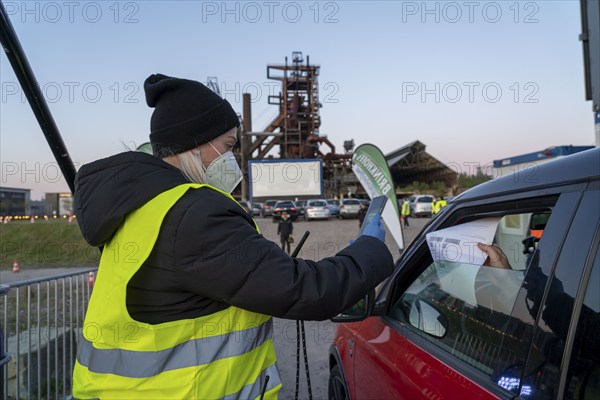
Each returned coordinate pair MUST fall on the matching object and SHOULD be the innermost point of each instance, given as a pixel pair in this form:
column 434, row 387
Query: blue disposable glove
column 375, row 228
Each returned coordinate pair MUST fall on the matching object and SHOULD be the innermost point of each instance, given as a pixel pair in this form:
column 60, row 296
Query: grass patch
column 45, row 244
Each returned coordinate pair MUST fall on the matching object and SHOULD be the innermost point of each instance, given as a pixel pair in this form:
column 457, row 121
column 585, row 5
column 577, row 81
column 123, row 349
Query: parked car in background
column 316, row 209
column 349, row 208
column 334, row 207
column 300, row 204
column 285, row 205
column 267, row 210
column 257, row 208
column 421, row 205
column 454, row 330
column 247, row 206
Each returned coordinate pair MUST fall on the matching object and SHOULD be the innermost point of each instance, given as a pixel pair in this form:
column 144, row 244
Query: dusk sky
column 474, row 81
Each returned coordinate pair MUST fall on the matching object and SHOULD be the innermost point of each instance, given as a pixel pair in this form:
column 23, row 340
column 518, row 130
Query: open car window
column 473, row 313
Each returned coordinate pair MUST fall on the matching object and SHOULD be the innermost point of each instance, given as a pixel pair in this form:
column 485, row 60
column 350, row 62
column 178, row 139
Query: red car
column 455, row 330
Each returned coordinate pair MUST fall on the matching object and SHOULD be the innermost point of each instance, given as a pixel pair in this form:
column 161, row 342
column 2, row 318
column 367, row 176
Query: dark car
column 268, row 206
column 300, row 205
column 462, row 330
column 285, row 205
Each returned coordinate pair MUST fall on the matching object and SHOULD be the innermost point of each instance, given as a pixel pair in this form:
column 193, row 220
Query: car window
column 317, row 203
column 475, row 303
column 351, row 202
column 473, row 313
column 284, row 204
column 425, row 200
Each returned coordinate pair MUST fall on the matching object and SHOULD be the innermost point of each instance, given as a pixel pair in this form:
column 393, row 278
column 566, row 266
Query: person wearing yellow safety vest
column 405, row 211
column 438, row 204
column 187, row 286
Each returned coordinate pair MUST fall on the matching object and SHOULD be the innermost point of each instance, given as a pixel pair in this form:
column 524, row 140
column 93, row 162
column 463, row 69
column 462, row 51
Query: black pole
column 22, row 69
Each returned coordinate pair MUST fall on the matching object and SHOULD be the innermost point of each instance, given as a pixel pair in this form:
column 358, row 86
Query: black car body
column 543, row 343
column 285, row 205
column 300, row 205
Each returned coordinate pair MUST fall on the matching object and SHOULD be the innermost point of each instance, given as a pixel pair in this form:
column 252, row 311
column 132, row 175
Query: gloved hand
column 375, row 228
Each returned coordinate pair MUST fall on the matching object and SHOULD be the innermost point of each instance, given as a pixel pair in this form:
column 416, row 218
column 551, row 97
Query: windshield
column 318, row 203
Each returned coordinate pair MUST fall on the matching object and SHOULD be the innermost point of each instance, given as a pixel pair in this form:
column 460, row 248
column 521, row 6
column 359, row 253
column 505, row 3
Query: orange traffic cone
column 16, row 267
column 91, row 280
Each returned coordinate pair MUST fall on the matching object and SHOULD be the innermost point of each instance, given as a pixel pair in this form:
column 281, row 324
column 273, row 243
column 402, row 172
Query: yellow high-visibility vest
column 227, row 354
column 406, row 208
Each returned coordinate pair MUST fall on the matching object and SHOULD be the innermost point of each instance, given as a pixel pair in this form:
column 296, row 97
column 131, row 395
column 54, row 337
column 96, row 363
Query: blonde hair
column 191, row 166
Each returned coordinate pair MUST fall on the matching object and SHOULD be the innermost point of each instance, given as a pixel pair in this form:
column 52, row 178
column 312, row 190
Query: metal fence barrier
column 41, row 320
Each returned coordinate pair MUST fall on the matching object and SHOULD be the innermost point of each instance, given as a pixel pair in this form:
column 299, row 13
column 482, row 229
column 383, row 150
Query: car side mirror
column 427, row 318
column 359, row 311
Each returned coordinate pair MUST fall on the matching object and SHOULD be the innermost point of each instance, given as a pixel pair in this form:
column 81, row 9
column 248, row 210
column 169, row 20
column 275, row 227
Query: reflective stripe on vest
column 227, row 354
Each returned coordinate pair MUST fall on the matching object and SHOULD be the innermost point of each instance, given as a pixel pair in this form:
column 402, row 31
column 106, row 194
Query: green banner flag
column 372, row 171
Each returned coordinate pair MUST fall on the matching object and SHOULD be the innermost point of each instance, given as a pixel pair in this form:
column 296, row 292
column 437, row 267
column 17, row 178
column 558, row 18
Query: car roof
column 579, row 167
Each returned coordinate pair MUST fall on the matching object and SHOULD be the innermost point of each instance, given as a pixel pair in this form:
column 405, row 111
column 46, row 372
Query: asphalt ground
column 326, row 239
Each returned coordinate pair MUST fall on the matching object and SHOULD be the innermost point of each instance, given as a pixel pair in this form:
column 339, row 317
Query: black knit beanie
column 186, row 114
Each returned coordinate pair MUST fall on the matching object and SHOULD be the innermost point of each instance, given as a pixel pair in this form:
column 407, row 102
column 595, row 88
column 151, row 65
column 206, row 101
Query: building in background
column 530, row 161
column 58, row 204
column 411, row 163
column 14, row 202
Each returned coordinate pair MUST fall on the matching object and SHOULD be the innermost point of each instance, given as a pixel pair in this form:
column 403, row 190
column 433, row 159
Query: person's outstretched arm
column 220, row 255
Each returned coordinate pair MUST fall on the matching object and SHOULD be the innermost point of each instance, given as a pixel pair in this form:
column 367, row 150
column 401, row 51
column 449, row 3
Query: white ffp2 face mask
column 224, row 172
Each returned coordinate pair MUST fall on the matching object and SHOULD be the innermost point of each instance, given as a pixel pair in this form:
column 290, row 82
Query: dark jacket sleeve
column 220, row 255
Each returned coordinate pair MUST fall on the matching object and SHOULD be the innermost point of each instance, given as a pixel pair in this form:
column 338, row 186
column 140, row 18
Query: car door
column 571, row 295
column 400, row 360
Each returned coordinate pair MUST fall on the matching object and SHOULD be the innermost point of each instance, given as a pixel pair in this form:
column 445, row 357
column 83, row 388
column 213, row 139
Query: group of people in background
column 285, row 227
column 436, row 207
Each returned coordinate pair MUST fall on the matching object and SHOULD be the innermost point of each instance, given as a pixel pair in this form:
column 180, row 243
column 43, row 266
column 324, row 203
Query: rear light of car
column 267, row 207
column 292, row 209
column 276, row 210
column 309, row 208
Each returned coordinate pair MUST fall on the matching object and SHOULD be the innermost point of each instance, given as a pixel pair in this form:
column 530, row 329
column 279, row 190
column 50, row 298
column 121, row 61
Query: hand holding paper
column 459, row 243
